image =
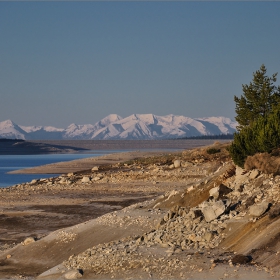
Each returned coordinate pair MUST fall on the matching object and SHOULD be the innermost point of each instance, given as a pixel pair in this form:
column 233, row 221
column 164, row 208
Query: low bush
column 212, row 151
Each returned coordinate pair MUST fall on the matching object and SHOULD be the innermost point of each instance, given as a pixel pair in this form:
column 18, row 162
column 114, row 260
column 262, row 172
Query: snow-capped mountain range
column 114, row 127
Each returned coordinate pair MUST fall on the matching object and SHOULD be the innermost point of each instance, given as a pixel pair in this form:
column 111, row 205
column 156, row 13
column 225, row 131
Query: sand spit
column 199, row 217
column 85, row 164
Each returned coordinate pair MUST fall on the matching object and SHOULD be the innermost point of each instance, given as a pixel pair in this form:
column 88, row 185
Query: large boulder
column 239, row 171
column 241, row 175
column 177, row 163
column 34, row 181
column 62, row 180
column 219, row 208
column 254, row 174
column 213, row 211
column 214, row 192
column 209, row 214
column 95, row 168
column 73, row 274
column 28, row 241
column 86, row 179
column 257, row 210
column 220, row 192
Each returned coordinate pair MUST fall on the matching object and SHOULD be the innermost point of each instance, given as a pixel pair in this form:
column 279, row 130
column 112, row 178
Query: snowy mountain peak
column 7, row 123
column 147, row 118
column 72, row 126
column 113, row 117
column 110, row 119
column 8, row 129
column 136, row 126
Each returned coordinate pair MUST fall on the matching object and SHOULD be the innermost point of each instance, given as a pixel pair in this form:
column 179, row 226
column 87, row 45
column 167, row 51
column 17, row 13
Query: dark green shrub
column 212, row 151
column 262, row 136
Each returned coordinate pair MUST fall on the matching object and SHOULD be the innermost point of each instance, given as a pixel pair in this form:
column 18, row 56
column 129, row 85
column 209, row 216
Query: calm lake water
column 14, row 162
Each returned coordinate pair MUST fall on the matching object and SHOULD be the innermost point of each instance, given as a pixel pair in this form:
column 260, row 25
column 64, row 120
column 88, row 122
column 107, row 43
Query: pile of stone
column 126, row 258
column 196, row 228
column 183, row 230
column 254, row 192
column 179, row 230
column 242, row 195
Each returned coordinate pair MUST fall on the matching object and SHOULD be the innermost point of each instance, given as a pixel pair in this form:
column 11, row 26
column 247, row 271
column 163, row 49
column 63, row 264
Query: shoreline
column 87, row 164
column 145, row 148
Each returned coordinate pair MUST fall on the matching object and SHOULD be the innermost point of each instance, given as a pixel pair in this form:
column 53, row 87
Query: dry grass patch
column 214, row 152
column 217, row 151
column 266, row 163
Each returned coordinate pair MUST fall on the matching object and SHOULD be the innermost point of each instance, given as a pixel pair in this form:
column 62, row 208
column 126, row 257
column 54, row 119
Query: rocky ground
column 196, row 216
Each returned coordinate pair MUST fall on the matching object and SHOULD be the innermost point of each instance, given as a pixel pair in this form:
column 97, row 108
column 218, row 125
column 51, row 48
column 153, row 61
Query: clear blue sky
column 65, row 62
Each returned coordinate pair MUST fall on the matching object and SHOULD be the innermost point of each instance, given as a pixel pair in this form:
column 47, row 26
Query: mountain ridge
column 114, row 127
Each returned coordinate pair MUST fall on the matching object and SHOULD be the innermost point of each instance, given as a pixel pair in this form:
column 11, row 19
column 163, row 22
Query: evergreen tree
column 263, row 135
column 258, row 100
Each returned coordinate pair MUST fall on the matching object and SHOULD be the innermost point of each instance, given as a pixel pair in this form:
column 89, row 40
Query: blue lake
column 14, row 162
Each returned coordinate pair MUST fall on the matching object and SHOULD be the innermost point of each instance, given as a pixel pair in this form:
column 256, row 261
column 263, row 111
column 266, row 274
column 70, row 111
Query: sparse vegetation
column 216, row 152
column 157, row 160
column 200, row 154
